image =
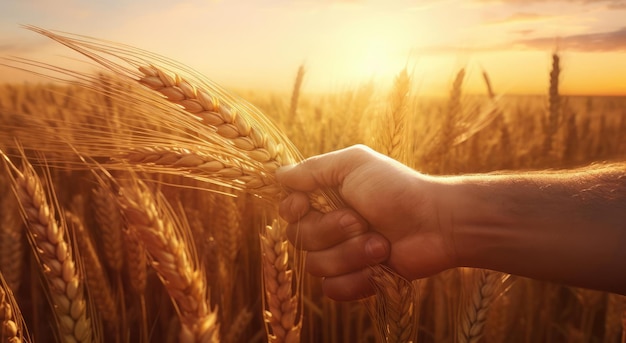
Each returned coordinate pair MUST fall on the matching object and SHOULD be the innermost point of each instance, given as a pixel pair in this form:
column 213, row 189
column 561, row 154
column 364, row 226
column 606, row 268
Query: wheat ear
column 394, row 309
column 11, row 242
column 96, row 280
column 239, row 324
column 203, row 116
column 204, row 166
column 174, row 259
column 487, row 285
column 228, row 236
column 49, row 241
column 393, row 138
column 12, row 328
column 282, row 305
column 554, row 117
column 109, row 219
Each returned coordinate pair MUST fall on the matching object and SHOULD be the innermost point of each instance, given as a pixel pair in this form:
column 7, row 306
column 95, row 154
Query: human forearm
column 563, row 227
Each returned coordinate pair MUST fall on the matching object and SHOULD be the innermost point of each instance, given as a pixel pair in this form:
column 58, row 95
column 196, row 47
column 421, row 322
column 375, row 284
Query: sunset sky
column 260, row 44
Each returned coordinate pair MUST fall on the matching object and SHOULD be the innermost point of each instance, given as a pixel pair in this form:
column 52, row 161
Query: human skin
column 567, row 227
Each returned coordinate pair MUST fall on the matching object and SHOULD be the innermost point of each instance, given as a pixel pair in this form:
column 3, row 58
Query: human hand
column 392, row 217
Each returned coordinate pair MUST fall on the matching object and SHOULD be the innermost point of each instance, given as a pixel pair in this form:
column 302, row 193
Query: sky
column 344, row 43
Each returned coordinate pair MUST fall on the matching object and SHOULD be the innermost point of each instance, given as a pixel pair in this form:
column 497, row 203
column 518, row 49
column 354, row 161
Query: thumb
column 322, row 171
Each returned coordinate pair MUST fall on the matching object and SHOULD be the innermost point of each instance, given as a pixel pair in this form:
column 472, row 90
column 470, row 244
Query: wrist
column 471, row 220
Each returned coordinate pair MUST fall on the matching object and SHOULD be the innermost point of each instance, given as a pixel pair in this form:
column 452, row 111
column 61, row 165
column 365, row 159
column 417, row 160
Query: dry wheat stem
column 50, row 244
column 283, row 313
column 174, row 259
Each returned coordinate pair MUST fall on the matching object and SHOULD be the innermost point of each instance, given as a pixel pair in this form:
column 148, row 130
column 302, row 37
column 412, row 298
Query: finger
column 317, row 231
column 354, row 254
column 327, row 170
column 294, row 207
column 348, row 287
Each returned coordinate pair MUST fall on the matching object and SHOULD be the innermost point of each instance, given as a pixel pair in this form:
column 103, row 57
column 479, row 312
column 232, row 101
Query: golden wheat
column 174, row 258
column 11, row 241
column 96, row 280
column 282, row 314
column 114, row 121
column 11, row 321
column 486, row 287
column 49, row 241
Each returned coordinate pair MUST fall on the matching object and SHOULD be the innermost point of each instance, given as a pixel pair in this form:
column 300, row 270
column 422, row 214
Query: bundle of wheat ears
column 175, row 125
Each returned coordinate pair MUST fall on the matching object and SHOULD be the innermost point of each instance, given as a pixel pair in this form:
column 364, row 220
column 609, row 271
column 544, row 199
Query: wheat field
column 139, row 205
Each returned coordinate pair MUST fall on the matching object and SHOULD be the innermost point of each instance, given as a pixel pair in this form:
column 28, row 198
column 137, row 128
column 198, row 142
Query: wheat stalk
column 49, row 241
column 173, row 257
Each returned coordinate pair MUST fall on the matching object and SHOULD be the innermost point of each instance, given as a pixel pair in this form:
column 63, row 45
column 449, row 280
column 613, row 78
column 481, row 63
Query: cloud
column 523, row 32
column 592, row 42
column 23, row 47
column 602, row 41
column 519, row 17
column 618, row 5
column 610, row 3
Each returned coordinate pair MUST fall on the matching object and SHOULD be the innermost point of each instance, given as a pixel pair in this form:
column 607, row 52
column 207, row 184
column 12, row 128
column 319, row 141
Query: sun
column 376, row 58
